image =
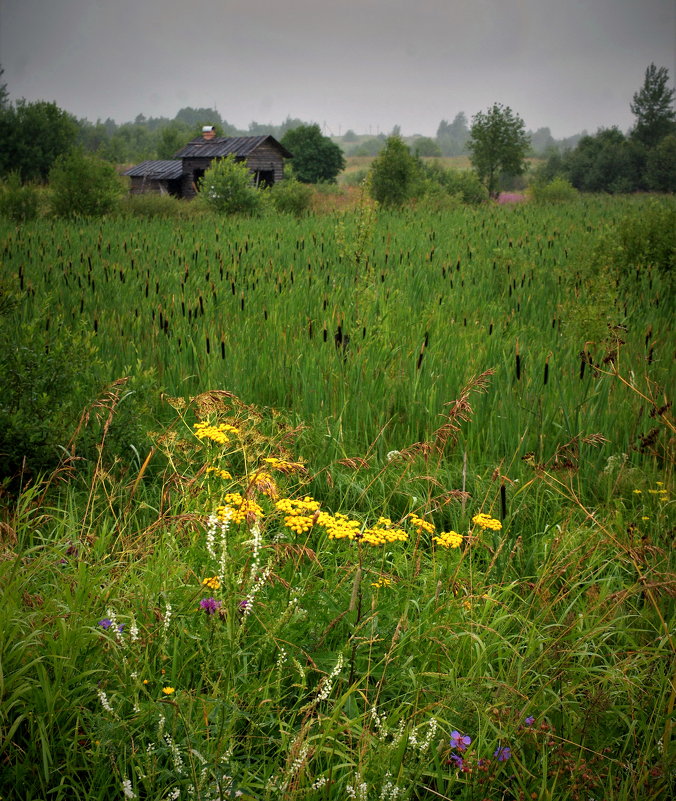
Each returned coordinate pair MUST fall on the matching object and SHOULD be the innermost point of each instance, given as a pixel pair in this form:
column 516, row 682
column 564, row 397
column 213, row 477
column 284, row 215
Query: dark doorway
column 197, row 176
column 264, row 178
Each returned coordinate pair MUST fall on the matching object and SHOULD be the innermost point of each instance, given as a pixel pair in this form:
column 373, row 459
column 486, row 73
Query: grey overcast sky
column 361, row 64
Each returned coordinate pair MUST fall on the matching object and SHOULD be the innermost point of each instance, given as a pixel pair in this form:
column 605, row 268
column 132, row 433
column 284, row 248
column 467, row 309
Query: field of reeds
column 366, row 505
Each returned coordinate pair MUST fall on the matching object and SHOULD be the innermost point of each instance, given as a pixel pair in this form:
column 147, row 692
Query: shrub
column 464, row 184
column 394, row 174
column 648, row 238
column 559, row 190
column 18, row 202
column 150, row 204
column 226, row 188
column 291, row 197
column 83, row 186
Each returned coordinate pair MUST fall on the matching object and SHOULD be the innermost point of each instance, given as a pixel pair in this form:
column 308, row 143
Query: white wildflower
column 105, row 703
column 126, row 789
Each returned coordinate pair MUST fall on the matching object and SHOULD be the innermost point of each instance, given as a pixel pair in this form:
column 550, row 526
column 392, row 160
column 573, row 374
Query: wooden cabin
column 263, row 155
column 160, row 177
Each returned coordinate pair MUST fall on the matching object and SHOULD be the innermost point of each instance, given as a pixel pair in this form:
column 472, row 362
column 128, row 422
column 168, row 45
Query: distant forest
column 161, row 137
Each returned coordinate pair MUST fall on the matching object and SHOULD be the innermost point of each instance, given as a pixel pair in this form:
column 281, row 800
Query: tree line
column 34, row 134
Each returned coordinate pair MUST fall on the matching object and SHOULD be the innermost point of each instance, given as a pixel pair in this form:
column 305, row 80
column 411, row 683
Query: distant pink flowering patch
column 510, row 197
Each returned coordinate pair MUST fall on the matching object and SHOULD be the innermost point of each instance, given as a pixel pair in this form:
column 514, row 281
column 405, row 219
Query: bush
column 44, row 389
column 291, row 197
column 150, row 205
column 394, row 174
column 226, row 188
column 464, row 185
column 18, row 203
column 559, row 190
column 83, row 186
column 649, row 238
column 315, row 157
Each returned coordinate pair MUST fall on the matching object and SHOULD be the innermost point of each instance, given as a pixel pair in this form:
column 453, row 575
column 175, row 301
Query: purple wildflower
column 529, row 720
column 460, row 741
column 244, row 605
column 210, row 605
column 503, row 753
column 120, row 628
column 457, row 760
column 106, row 623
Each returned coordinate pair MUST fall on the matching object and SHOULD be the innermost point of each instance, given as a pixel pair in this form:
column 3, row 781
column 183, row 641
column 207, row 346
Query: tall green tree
column 33, row 136
column 498, row 144
column 653, row 107
column 394, row 174
column 4, row 94
column 315, row 157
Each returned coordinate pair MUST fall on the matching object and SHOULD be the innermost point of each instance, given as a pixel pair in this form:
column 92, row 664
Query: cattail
column 208, row 346
column 518, row 362
column 546, row 377
column 503, row 501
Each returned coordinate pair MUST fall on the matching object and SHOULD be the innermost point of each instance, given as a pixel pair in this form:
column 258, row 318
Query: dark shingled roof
column 240, row 146
column 157, row 170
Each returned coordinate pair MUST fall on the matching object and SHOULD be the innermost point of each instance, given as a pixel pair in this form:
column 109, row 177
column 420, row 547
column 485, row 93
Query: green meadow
column 366, row 505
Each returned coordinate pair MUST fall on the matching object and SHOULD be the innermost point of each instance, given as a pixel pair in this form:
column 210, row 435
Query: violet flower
column 210, row 605
column 460, row 741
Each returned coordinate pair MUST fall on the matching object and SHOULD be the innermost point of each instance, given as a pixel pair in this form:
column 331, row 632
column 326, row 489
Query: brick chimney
column 208, row 132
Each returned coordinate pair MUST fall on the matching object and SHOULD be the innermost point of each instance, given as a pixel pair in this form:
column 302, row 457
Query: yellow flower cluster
column 382, row 582
column 339, row 526
column 301, row 514
column 217, row 434
column 448, row 539
column 421, row 525
column 220, row 473
column 302, row 506
column 237, row 509
column 299, row 524
column 213, row 583
column 486, row 521
column 383, row 532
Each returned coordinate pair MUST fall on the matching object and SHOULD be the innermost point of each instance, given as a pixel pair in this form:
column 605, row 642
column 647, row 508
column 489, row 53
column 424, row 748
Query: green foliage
column 647, row 238
column 291, row 197
column 226, row 188
column 452, row 137
column 462, row 184
column 498, row 145
column 558, row 190
column 47, row 371
column 172, row 138
column 315, row 157
column 394, row 174
column 425, row 147
column 653, row 107
column 369, row 147
column 606, row 162
column 33, row 136
column 83, row 186
column 661, row 165
column 19, row 202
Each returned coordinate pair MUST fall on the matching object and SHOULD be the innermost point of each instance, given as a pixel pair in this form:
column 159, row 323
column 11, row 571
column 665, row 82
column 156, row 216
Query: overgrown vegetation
column 398, row 528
